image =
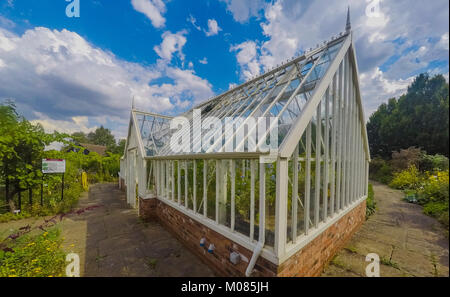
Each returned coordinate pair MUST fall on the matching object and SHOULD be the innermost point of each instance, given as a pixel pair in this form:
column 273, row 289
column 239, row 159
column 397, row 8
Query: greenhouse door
column 131, row 176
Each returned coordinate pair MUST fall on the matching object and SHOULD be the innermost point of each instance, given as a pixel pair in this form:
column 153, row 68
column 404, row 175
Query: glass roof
column 154, row 131
column 282, row 93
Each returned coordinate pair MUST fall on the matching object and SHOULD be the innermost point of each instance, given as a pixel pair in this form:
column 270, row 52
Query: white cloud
column 376, row 87
column 213, row 28
column 172, row 43
column 416, row 32
column 193, row 21
column 75, row 124
column 6, row 23
column 203, row 61
column 243, row 10
column 247, row 58
column 57, row 77
column 153, row 9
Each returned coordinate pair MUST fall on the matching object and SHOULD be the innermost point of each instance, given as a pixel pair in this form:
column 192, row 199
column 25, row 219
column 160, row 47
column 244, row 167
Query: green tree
column 419, row 118
column 21, row 150
column 79, row 137
column 102, row 136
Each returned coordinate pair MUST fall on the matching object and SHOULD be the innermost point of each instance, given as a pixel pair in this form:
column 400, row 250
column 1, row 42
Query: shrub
column 34, row 256
column 404, row 159
column 370, row 202
column 407, row 179
column 380, row 170
column 433, row 163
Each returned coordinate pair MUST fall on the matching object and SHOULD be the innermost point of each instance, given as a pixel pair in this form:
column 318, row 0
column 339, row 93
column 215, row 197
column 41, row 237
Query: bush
column 433, row 163
column 380, row 170
column 407, row 179
column 34, row 256
column 404, row 159
column 370, row 202
column 431, row 188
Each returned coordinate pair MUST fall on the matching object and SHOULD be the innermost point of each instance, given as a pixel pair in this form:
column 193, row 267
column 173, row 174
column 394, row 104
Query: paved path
column 113, row 241
column 408, row 242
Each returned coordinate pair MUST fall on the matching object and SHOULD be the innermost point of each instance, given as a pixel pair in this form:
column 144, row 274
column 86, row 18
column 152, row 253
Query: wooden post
column 62, row 188
column 42, row 191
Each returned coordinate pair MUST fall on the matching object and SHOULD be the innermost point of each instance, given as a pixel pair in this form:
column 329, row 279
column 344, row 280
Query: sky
column 77, row 69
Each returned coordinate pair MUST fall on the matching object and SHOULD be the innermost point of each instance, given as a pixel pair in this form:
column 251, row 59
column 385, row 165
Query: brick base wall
column 309, row 261
column 147, row 209
column 190, row 232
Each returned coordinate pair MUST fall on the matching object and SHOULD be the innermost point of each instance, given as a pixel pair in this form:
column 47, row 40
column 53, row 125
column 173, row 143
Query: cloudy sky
column 75, row 74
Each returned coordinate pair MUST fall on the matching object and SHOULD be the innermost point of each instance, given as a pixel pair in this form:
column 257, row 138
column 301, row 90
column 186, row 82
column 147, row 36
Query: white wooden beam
column 298, row 128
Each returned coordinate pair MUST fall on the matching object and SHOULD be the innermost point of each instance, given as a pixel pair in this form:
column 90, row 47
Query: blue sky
column 74, row 74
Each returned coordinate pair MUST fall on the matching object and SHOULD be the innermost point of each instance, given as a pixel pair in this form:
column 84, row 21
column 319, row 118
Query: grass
column 151, row 262
column 389, row 262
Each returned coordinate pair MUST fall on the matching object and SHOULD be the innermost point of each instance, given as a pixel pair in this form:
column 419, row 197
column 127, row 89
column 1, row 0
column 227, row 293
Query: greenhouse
column 245, row 206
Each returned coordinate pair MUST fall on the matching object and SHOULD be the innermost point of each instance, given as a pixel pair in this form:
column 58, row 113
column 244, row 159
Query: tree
column 102, row 136
column 21, row 150
column 79, row 137
column 119, row 148
column 419, row 118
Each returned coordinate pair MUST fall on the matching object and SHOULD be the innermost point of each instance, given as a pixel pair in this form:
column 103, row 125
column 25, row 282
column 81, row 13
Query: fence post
column 62, row 188
column 42, row 191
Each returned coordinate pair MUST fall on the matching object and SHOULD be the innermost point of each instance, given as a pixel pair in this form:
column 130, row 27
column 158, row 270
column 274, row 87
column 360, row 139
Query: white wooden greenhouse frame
column 322, row 145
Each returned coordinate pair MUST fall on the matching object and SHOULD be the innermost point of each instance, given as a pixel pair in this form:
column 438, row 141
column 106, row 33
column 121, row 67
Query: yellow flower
column 31, row 243
column 45, row 234
column 49, row 249
column 72, row 245
column 13, row 275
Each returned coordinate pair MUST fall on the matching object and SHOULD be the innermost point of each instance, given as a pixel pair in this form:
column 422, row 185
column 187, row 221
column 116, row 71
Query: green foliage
column 102, row 136
column 380, row 170
column 431, row 188
column 418, row 118
column 407, row 179
column 34, row 256
column 79, row 137
column 118, row 149
column 21, row 152
column 436, row 162
column 370, row 202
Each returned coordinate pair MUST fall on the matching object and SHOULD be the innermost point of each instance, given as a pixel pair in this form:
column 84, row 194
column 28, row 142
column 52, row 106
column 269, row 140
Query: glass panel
column 242, row 197
column 271, row 182
column 211, row 190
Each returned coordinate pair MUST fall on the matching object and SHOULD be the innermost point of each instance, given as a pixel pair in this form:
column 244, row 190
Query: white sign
column 53, row 166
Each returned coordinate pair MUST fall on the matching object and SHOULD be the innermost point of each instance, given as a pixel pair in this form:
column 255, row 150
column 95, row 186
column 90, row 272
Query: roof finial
column 348, row 26
column 132, row 103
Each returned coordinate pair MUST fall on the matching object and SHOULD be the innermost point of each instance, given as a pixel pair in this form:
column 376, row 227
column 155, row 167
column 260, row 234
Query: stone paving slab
column 408, row 242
